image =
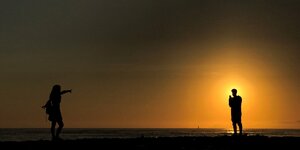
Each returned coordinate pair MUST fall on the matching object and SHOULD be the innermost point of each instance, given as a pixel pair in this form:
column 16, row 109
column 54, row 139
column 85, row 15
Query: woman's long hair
column 55, row 92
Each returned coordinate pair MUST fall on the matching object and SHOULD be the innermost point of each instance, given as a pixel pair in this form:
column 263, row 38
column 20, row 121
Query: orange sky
column 147, row 64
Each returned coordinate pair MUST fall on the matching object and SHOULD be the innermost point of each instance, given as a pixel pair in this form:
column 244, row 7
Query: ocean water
column 44, row 134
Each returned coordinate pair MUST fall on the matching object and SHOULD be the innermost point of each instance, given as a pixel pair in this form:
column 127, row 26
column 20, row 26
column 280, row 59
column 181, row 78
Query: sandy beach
column 200, row 143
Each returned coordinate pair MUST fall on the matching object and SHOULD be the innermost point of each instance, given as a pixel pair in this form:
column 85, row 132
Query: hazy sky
column 147, row 63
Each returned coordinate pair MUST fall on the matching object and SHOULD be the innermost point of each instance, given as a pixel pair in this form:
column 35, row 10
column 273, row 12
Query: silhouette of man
column 235, row 103
column 55, row 115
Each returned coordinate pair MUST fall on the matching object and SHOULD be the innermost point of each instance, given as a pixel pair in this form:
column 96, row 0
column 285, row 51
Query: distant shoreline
column 35, row 134
column 220, row 142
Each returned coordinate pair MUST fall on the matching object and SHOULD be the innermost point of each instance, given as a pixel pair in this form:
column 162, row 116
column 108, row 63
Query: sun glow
column 209, row 92
column 226, row 84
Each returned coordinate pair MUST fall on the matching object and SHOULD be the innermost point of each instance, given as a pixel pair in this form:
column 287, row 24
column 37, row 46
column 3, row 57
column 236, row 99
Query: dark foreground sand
column 172, row 143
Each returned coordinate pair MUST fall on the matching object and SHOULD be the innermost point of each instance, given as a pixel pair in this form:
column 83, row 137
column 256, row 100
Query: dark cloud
column 88, row 34
column 77, row 22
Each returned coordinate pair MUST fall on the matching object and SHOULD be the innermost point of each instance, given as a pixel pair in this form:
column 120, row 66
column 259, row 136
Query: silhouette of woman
column 55, row 113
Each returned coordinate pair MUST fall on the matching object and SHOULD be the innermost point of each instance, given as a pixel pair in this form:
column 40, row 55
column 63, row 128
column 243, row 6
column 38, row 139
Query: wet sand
column 172, row 143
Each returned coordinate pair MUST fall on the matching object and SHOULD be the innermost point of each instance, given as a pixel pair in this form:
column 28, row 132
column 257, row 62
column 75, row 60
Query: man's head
column 234, row 91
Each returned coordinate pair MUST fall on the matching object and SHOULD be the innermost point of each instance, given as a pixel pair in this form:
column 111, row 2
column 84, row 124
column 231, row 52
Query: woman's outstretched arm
column 65, row 91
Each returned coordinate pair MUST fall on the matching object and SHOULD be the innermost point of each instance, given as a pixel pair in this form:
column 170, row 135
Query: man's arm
column 230, row 101
column 65, row 91
column 241, row 100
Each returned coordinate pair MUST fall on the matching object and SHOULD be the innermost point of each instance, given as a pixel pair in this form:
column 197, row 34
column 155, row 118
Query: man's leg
column 240, row 127
column 234, row 127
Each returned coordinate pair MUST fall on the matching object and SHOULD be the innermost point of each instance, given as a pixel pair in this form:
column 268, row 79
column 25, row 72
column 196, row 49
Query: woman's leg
column 53, row 124
column 60, row 126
